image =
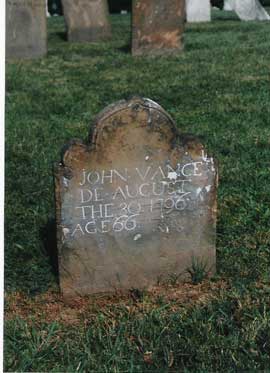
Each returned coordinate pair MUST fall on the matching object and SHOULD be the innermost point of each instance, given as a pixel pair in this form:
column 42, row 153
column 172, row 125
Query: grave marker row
column 158, row 25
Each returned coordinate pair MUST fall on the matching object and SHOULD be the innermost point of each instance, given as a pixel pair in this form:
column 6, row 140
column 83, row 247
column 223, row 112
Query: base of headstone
column 134, row 204
column 26, row 29
column 157, row 27
column 87, row 21
column 88, row 35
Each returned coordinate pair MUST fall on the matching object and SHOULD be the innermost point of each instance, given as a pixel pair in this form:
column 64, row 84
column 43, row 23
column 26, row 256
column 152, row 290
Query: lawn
column 218, row 89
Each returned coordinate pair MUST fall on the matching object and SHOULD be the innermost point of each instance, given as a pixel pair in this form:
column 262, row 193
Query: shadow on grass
column 125, row 49
column 230, row 16
column 214, row 27
column 62, row 36
column 49, row 238
column 57, row 37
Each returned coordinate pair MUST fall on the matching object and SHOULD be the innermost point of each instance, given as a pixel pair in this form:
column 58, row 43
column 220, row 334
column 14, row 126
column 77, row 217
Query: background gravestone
column 250, row 10
column 198, row 10
column 157, row 26
column 137, row 201
column 247, row 10
column 87, row 20
column 26, row 28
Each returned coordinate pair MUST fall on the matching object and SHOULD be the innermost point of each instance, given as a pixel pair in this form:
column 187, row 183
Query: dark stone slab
column 87, row 20
column 26, row 29
column 137, row 201
column 157, row 26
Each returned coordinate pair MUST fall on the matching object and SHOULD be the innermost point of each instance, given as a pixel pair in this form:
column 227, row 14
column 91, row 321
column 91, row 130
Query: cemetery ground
column 217, row 89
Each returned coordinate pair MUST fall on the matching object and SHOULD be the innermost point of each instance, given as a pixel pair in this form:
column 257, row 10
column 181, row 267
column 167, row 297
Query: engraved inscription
column 156, row 193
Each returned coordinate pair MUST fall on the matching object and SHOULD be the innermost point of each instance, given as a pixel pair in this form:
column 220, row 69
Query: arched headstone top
column 129, row 130
column 128, row 120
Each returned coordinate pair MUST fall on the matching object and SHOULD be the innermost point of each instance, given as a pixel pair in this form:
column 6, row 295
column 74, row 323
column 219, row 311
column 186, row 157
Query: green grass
column 217, row 89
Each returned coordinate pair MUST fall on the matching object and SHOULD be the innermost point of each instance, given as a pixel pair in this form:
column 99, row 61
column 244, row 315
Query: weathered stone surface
column 26, row 28
column 87, row 20
column 157, row 26
column 137, row 201
column 198, row 10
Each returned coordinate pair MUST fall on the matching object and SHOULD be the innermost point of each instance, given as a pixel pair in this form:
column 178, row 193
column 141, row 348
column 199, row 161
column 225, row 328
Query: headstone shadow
column 62, row 36
column 125, row 49
column 48, row 236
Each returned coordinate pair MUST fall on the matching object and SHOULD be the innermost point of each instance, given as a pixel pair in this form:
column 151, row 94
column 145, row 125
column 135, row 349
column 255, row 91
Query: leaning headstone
column 250, row 10
column 26, row 29
column 157, row 26
column 87, row 20
column 198, row 10
column 247, row 10
column 135, row 203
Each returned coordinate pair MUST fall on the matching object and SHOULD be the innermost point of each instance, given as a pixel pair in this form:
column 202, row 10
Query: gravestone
column 247, row 10
column 87, row 20
column 135, row 202
column 26, row 29
column 198, row 10
column 251, row 10
column 157, row 26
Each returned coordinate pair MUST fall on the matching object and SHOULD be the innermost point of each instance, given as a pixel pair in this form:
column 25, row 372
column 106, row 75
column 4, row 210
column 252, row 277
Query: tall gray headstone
column 87, row 20
column 26, row 29
column 134, row 203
